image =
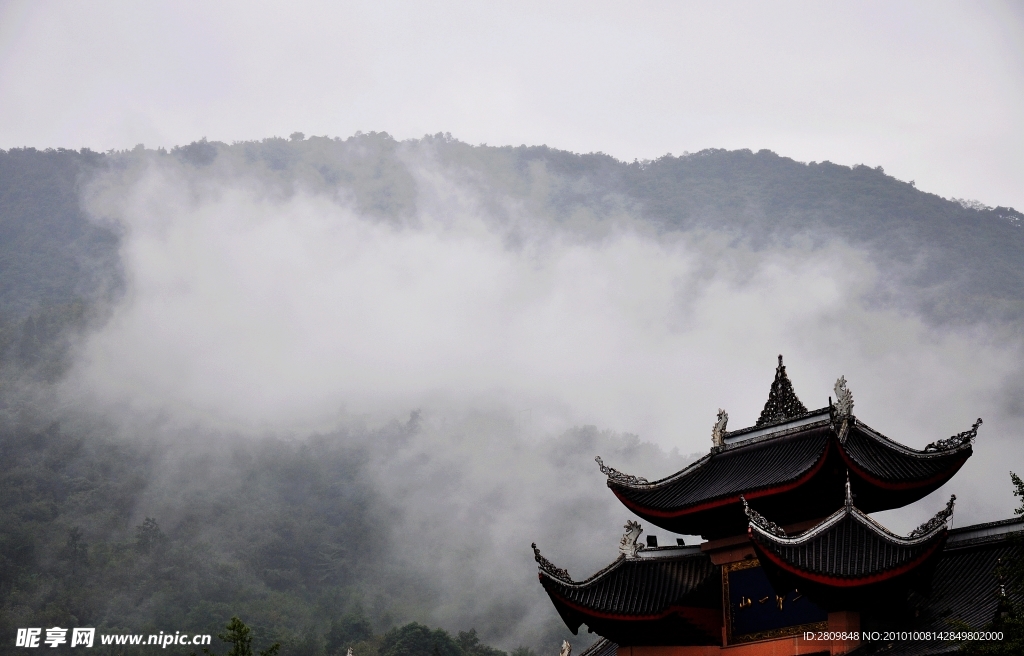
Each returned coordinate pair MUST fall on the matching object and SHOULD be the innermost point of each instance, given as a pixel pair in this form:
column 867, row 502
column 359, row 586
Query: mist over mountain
column 356, row 378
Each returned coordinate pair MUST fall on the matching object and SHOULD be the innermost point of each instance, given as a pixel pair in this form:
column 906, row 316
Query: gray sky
column 931, row 91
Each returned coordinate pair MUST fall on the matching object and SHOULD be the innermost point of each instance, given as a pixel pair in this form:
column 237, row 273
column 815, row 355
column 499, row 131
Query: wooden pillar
column 845, row 621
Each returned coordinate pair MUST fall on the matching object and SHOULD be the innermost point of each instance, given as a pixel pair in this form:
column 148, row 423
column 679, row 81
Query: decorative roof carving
column 844, row 399
column 616, row 476
column 957, row 440
column 548, row 567
column 628, row 545
column 938, row 520
column 849, row 493
column 759, row 519
column 566, row 649
column 782, row 401
column 718, row 430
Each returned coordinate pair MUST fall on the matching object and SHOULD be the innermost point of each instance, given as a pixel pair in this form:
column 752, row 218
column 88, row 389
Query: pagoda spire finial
column 782, row 401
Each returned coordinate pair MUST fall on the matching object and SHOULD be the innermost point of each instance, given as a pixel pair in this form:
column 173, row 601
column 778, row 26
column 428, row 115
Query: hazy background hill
column 334, row 386
column 961, row 259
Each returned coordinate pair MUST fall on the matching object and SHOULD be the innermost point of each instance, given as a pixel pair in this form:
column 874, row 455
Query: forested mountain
column 293, row 533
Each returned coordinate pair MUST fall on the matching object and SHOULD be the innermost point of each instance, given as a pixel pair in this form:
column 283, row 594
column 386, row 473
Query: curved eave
column 910, row 469
column 823, row 527
column 627, row 595
column 729, row 500
column 587, row 611
column 768, row 547
column 904, row 449
column 834, row 581
column 683, row 473
column 587, row 582
column 627, row 608
column 627, row 492
column 879, row 465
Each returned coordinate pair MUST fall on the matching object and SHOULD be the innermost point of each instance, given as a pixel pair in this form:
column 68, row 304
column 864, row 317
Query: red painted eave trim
column 843, row 582
column 939, row 478
column 590, row 612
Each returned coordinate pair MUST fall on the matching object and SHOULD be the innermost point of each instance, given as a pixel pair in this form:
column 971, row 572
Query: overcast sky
column 933, row 92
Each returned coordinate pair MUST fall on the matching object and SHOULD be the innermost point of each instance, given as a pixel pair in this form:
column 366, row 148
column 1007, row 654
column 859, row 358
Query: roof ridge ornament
column 957, row 440
column 548, row 567
column 615, row 476
column 844, row 399
column 566, row 649
column 628, row 545
column 840, row 425
column 782, row 401
column 718, row 430
column 760, row 520
column 849, row 494
column 938, row 520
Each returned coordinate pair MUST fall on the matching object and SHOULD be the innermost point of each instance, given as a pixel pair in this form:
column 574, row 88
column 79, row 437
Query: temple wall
column 792, row 646
column 848, row 622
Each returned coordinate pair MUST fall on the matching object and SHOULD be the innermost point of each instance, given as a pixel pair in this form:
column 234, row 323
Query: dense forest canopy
column 297, row 534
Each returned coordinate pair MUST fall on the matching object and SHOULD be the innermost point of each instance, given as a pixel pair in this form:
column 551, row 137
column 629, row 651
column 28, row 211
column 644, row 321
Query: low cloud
column 528, row 344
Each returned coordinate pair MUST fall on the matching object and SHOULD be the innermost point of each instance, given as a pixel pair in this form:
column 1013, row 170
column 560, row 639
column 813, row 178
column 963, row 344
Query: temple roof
column 731, row 472
column 847, row 549
column 890, row 463
column 667, row 596
column 965, row 588
column 793, row 469
column 640, row 587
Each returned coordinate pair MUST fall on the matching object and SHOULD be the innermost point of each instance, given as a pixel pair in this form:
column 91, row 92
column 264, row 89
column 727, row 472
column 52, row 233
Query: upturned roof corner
column 615, row 476
column 548, row 567
column 957, row 441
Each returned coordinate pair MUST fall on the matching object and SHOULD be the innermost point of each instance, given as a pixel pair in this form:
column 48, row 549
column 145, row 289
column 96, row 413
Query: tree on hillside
column 414, row 639
column 149, row 537
column 347, row 631
column 239, row 636
column 471, row 645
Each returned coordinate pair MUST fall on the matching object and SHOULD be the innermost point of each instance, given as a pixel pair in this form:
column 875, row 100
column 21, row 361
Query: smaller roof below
column 672, row 598
column 640, row 587
column 964, row 590
column 847, row 549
